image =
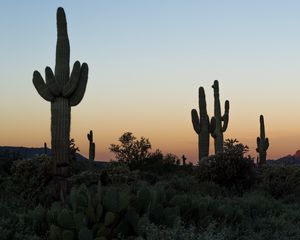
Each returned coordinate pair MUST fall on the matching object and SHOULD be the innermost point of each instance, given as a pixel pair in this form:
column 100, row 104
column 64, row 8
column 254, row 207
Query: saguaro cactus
column 202, row 126
column 262, row 142
column 63, row 91
column 91, row 146
column 217, row 134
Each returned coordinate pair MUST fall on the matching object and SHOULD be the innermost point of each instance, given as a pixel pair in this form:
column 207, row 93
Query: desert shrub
column 281, row 181
column 33, row 178
column 5, row 166
column 135, row 153
column 212, row 189
column 228, row 170
column 87, row 178
column 130, row 150
column 231, row 168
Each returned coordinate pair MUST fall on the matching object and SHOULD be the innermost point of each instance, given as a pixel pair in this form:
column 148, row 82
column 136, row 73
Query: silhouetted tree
column 131, row 150
column 232, row 146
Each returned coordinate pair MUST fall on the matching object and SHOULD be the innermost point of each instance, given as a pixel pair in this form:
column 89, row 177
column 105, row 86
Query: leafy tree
column 232, row 146
column 131, row 150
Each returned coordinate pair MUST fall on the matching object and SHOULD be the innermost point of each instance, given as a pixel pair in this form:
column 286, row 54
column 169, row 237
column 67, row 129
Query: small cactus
column 202, row 126
column 262, row 142
column 45, row 148
column 91, row 146
column 183, row 160
column 217, row 133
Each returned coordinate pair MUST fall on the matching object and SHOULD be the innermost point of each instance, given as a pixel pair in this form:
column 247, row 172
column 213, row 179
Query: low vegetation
column 156, row 197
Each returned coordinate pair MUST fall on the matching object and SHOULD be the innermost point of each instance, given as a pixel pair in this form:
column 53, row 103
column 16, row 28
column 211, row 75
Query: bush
column 281, row 181
column 229, row 170
column 33, row 179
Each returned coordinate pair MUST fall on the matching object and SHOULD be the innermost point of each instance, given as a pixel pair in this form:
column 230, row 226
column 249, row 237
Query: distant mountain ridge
column 289, row 159
column 27, row 152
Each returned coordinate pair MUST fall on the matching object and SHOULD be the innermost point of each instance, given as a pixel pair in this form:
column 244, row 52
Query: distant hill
column 14, row 153
column 27, row 153
column 289, row 159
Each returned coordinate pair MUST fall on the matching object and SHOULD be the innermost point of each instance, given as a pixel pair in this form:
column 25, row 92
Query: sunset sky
column 147, row 60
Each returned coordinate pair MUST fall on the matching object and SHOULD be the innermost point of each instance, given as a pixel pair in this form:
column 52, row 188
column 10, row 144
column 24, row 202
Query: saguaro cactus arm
column 225, row 117
column 51, row 82
column 78, row 94
column 41, row 87
column 266, row 145
column 196, row 121
column 212, row 127
column 71, row 85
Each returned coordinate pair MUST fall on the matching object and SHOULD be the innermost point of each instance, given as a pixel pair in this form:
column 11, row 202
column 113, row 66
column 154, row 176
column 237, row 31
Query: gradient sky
column 147, row 60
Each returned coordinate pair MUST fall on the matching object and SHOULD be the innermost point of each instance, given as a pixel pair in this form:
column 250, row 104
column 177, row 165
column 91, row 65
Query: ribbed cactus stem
column 202, row 125
column 221, row 122
column 91, row 146
column 63, row 91
column 60, row 129
column 262, row 142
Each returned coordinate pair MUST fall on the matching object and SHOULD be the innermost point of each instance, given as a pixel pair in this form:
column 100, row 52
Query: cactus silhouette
column 63, row 91
column 202, row 126
column 91, row 146
column 262, row 142
column 217, row 133
column 45, row 148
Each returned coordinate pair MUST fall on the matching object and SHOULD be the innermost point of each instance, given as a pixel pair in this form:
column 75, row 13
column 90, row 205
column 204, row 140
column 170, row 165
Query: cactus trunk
column 60, row 130
column 217, row 134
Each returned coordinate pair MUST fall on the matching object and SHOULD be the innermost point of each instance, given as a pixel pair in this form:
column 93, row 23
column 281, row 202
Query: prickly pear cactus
column 63, row 90
column 91, row 146
column 202, row 126
column 262, row 142
column 220, row 128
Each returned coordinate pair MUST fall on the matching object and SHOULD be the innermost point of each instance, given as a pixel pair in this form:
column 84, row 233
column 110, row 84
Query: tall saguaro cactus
column 202, row 126
column 63, row 91
column 262, row 142
column 217, row 134
column 91, row 146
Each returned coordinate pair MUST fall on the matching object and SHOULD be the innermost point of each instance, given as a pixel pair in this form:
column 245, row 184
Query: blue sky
column 147, row 59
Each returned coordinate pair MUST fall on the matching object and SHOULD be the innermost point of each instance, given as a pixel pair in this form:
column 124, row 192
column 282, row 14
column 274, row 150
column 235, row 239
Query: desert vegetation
column 143, row 193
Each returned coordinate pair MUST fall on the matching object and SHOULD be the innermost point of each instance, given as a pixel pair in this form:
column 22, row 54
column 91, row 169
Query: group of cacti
column 217, row 125
column 65, row 90
column 101, row 213
column 204, row 127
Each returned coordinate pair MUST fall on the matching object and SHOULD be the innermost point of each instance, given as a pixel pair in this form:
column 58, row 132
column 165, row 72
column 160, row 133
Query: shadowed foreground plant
column 230, row 168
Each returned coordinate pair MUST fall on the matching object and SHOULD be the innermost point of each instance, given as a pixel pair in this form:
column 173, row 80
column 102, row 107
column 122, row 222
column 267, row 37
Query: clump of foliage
column 135, row 153
column 131, row 150
column 281, row 181
column 33, row 178
column 230, row 168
